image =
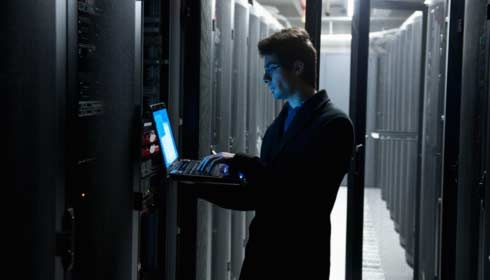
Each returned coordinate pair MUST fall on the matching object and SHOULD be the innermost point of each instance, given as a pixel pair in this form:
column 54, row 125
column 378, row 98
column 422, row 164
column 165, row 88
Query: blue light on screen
column 164, row 131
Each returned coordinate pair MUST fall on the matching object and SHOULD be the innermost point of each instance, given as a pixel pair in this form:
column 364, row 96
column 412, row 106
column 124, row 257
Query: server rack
column 239, row 78
column 451, row 142
column 238, row 122
column 484, row 189
column 394, row 128
column 402, row 141
column 414, row 126
column 357, row 112
column 221, row 250
column 229, row 102
column 274, row 106
column 263, row 90
column 391, row 125
column 102, row 109
column 207, row 128
column 154, row 209
column 445, row 149
column 396, row 100
column 432, row 137
column 470, row 238
column 95, row 107
column 82, row 84
column 253, row 81
column 33, row 86
column 484, row 239
column 253, row 84
column 371, row 111
column 484, row 254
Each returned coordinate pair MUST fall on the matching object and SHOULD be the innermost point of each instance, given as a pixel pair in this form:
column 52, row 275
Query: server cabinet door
column 102, row 109
column 32, row 85
column 238, row 122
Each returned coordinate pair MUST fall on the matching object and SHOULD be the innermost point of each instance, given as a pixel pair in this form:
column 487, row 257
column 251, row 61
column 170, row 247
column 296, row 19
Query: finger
column 204, row 162
column 212, row 163
column 208, row 165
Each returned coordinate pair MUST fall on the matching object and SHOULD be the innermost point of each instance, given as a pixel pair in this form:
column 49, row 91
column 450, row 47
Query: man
column 292, row 187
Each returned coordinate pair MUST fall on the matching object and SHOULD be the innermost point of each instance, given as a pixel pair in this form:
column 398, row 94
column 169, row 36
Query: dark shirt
column 291, row 113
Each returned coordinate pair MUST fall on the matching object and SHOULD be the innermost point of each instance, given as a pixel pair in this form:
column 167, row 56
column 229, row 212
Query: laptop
column 185, row 170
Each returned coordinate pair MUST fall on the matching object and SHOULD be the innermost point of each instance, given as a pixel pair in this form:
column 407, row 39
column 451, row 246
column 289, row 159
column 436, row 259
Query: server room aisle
column 391, row 254
column 383, row 258
column 338, row 218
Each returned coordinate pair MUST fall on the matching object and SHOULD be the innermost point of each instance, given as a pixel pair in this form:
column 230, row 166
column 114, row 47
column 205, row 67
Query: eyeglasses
column 271, row 68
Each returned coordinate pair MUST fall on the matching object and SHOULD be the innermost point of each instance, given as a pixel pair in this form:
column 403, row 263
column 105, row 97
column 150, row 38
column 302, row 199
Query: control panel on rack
column 151, row 165
column 85, row 99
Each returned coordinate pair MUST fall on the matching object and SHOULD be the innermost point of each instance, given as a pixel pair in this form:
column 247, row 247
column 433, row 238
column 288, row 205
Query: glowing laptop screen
column 164, row 132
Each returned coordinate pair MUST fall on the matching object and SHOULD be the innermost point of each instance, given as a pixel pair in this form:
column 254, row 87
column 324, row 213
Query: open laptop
column 184, row 169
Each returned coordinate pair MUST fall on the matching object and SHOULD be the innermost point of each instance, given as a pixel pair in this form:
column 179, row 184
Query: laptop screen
column 165, row 136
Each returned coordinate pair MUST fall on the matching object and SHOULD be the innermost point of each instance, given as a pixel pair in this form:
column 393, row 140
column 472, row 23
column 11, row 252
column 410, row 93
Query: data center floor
column 383, row 257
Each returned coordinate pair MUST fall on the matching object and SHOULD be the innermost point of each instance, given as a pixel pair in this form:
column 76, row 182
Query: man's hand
column 209, row 162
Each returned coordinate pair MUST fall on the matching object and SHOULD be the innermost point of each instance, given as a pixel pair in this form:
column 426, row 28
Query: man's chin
column 277, row 96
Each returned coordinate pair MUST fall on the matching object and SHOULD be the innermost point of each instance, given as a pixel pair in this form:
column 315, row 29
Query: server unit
column 484, row 252
column 253, row 81
column 238, row 123
column 470, row 231
column 222, row 70
column 484, row 255
column 207, row 132
column 432, row 137
column 253, row 84
column 207, row 128
column 33, row 86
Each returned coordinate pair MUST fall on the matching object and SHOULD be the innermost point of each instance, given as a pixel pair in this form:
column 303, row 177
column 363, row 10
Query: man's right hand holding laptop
column 221, row 160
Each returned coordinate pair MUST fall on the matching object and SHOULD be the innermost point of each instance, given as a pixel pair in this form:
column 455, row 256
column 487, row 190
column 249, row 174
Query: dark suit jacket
column 292, row 187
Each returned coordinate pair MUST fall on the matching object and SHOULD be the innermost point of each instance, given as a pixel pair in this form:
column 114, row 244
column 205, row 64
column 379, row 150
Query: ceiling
column 335, row 18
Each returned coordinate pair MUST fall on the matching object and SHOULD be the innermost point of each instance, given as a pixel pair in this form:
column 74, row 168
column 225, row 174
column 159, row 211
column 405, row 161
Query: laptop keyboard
column 187, row 167
column 190, row 167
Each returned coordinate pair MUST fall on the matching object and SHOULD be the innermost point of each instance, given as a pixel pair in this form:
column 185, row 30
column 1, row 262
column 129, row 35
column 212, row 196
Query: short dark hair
column 289, row 45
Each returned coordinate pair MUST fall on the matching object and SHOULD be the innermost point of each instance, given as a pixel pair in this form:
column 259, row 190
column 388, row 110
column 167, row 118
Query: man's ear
column 298, row 67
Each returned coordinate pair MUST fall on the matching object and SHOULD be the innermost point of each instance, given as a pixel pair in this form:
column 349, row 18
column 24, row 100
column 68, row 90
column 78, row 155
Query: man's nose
column 267, row 78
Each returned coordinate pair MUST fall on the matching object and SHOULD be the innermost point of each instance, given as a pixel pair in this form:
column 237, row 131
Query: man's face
column 277, row 78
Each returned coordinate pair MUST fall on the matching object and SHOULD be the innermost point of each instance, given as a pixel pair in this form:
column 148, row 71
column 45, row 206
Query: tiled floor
column 338, row 218
column 381, row 260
